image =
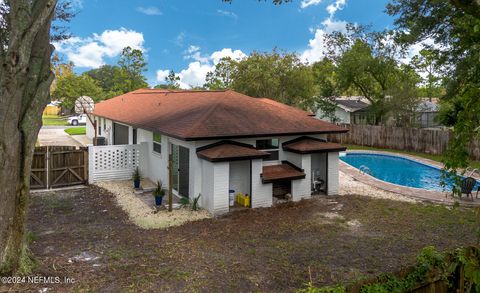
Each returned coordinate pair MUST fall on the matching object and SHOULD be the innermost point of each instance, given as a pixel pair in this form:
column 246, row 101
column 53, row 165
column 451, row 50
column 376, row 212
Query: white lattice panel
column 113, row 162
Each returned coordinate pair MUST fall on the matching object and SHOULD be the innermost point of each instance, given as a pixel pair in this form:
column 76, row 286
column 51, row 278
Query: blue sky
column 189, row 36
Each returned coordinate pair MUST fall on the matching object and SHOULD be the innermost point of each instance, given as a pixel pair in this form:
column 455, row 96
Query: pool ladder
column 471, row 170
column 365, row 170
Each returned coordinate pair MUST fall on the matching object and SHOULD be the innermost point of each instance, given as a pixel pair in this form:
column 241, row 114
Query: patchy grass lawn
column 54, row 120
column 338, row 239
column 76, row 130
column 438, row 158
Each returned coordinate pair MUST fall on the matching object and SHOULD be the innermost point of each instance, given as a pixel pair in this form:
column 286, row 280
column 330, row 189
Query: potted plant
column 158, row 193
column 136, row 178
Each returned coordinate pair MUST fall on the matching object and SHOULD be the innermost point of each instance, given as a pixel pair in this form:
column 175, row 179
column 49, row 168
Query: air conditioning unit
column 99, row 140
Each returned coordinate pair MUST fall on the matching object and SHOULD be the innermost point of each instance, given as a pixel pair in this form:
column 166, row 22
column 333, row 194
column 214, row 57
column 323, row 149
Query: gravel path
column 144, row 215
column 349, row 185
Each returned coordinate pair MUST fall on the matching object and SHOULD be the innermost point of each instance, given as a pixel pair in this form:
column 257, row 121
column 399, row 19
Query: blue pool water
column 398, row 170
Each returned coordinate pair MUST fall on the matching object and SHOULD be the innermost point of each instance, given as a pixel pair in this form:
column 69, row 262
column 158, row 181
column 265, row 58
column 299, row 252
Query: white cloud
column 415, row 50
column 316, row 48
column 306, row 3
column 152, row 10
column 195, row 73
column 90, row 52
column 334, row 7
column 227, row 52
column 162, row 74
column 227, row 14
column 331, row 25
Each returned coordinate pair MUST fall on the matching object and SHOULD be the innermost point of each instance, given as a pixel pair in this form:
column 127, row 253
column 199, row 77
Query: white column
column 262, row 194
column 301, row 188
column 332, row 181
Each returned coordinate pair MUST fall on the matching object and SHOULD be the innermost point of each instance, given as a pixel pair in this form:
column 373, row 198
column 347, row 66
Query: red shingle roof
column 194, row 115
column 308, row 145
column 284, row 171
column 229, row 151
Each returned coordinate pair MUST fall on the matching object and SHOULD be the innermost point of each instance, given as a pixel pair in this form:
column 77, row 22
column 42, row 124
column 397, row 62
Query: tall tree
column 69, row 88
column 106, row 77
column 426, row 63
column 280, row 76
column 132, row 64
column 366, row 62
column 25, row 80
column 222, row 76
column 172, row 82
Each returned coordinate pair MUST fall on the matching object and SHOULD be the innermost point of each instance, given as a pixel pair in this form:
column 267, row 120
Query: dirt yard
column 83, row 235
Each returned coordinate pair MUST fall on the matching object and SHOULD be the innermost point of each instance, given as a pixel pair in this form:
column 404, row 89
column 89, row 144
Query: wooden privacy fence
column 59, row 166
column 430, row 141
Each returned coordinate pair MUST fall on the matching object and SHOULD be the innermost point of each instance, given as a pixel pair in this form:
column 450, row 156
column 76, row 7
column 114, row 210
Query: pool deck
column 437, row 197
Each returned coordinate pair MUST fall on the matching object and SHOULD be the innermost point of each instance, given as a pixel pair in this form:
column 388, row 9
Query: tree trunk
column 25, row 79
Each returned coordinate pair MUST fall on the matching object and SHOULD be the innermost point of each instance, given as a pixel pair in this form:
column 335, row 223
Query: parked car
column 76, row 120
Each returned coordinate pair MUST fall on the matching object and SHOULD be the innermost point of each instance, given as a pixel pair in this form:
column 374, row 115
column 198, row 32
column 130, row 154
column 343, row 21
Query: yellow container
column 242, row 199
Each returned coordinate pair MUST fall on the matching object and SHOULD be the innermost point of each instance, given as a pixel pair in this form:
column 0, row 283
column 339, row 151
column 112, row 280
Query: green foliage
column 136, row 174
column 158, row 191
column 222, row 76
column 132, row 64
column 171, row 82
column 195, row 205
column 277, row 75
column 312, row 289
column 454, row 26
column 327, row 107
column 70, row 87
column 367, row 64
column 184, row 201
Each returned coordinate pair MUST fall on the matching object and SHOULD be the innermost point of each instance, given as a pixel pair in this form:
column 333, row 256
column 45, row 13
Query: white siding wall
column 301, row 188
column 333, row 183
column 240, row 176
column 261, row 193
column 206, row 200
column 213, row 181
column 90, row 130
column 341, row 114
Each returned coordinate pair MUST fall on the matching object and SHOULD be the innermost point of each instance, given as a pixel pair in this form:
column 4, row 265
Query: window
column 134, row 136
column 99, row 126
column 104, row 124
column 270, row 146
column 157, row 143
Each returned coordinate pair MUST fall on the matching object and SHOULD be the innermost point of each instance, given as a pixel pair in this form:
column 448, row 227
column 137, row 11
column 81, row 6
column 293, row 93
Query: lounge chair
column 467, row 186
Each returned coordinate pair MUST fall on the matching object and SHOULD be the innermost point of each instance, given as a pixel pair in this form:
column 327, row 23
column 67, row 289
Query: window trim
column 156, row 143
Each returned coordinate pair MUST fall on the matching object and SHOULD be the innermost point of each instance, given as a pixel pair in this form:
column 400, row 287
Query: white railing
column 114, row 162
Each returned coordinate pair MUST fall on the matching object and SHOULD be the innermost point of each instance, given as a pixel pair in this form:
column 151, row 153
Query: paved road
column 55, row 135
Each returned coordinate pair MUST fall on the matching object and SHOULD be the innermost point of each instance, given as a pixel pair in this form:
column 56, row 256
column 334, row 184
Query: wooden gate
column 38, row 175
column 59, row 166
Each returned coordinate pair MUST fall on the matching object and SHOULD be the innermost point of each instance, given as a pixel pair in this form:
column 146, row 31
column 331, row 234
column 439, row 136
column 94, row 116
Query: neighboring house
column 426, row 112
column 347, row 111
column 53, row 108
column 221, row 141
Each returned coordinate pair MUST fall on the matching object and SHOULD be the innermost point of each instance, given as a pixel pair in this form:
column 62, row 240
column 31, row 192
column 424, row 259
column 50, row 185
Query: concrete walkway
column 82, row 139
column 410, row 192
column 56, row 137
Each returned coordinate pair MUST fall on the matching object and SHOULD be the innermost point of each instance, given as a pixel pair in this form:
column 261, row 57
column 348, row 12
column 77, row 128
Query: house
column 53, row 108
column 221, row 141
column 427, row 110
column 353, row 110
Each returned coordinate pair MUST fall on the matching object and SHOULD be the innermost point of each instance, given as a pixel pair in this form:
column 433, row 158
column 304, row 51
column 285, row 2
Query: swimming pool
column 397, row 170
